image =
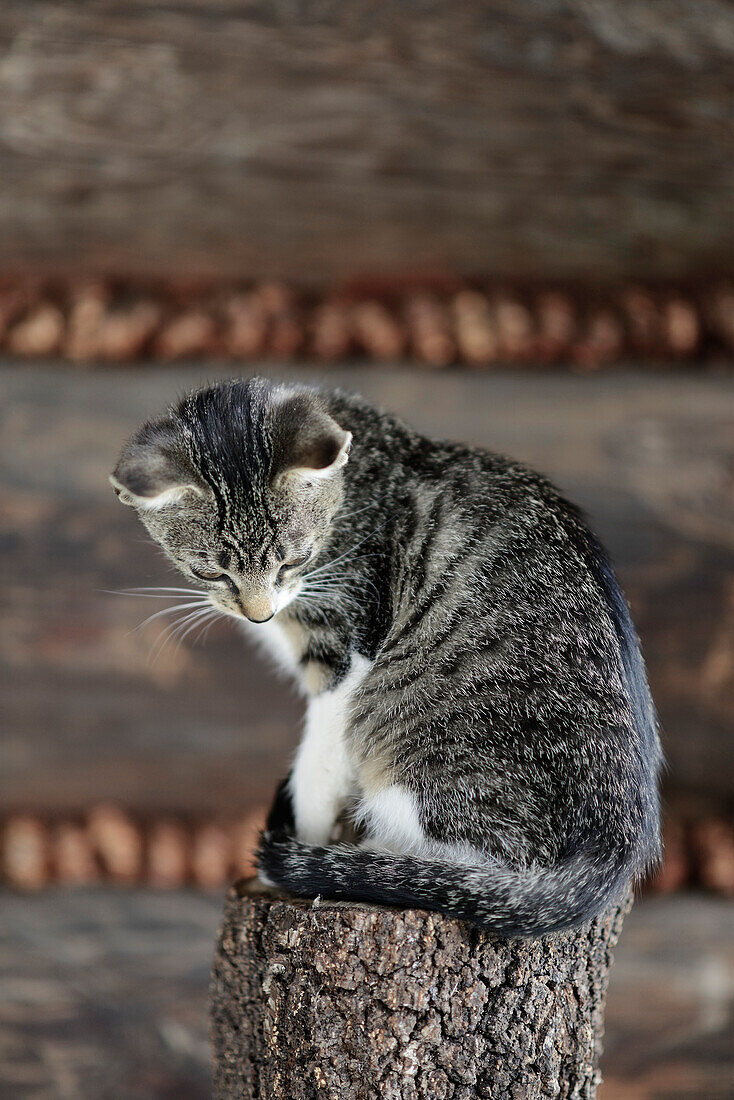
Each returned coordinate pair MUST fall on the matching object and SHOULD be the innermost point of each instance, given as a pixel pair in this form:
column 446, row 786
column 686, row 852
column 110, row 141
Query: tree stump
column 349, row 1002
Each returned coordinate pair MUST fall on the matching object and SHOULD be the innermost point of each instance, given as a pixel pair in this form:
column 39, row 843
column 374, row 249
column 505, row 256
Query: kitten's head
column 239, row 484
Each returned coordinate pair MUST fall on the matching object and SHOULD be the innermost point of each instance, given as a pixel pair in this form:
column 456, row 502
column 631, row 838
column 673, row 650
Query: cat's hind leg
column 391, row 821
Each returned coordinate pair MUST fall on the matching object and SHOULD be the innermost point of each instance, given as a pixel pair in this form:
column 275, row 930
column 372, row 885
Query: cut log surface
column 348, row 1002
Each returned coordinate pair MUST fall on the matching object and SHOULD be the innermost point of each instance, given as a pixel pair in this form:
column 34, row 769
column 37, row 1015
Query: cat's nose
column 257, row 608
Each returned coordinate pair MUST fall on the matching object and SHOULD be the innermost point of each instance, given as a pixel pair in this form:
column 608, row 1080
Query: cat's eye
column 207, row 575
column 293, row 564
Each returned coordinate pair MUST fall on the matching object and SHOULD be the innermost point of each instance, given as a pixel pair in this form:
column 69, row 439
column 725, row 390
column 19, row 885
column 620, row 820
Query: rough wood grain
column 523, row 137
column 354, row 1002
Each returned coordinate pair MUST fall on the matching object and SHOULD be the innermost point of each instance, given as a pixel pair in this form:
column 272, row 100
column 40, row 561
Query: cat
column 478, row 705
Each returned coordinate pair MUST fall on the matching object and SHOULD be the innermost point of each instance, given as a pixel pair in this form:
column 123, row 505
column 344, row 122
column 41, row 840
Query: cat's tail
column 510, row 902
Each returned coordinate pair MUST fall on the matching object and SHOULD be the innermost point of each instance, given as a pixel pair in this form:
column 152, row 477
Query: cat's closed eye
column 207, row 575
column 293, row 564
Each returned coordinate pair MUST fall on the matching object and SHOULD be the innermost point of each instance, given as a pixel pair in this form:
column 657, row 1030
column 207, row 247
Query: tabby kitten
column 478, row 703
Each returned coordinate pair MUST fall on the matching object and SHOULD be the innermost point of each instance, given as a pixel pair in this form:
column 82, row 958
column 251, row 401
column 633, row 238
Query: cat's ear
column 153, row 471
column 310, row 443
column 322, row 455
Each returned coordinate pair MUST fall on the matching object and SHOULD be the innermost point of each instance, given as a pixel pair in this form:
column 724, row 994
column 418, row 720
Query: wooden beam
column 313, row 141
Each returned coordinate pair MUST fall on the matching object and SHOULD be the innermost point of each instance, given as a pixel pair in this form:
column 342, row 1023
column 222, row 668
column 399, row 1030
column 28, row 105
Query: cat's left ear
column 310, row 443
column 153, row 470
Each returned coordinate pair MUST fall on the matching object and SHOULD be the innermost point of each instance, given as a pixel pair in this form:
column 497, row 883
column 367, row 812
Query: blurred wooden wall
column 312, row 141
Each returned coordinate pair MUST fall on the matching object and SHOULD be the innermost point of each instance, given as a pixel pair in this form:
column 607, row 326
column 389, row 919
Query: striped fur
column 465, row 641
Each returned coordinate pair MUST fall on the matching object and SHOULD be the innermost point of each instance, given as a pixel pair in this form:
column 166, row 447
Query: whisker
column 193, row 622
column 338, row 588
column 168, row 611
column 326, row 578
column 343, row 580
column 197, row 613
column 328, row 601
column 349, row 557
column 333, row 602
column 346, row 553
column 358, row 512
column 160, row 588
column 160, row 642
column 205, row 627
column 171, row 631
column 338, row 583
column 163, row 595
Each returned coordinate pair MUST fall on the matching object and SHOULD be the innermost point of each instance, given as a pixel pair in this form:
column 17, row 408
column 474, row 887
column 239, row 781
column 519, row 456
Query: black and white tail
column 510, row 902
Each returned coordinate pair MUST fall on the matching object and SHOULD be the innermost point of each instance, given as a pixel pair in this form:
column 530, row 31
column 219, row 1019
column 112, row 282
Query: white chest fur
column 283, row 643
column 323, row 773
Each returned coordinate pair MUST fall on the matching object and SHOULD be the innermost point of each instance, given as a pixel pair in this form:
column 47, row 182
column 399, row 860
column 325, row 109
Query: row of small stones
column 109, row 845
column 479, row 327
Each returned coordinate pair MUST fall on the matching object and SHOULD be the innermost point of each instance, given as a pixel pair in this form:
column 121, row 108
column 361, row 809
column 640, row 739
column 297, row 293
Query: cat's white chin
column 287, row 595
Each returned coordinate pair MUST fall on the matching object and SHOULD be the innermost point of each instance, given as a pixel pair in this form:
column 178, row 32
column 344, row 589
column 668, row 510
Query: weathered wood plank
column 312, row 141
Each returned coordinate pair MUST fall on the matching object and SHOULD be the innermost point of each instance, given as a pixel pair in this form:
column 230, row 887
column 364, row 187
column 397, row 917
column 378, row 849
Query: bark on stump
column 349, row 1002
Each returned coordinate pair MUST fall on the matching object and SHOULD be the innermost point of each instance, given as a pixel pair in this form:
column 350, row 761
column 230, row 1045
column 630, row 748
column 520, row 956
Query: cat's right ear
column 308, row 443
column 153, row 471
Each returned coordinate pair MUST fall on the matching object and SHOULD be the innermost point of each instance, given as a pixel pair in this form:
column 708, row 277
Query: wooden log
column 309, row 141
column 353, row 1002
